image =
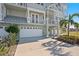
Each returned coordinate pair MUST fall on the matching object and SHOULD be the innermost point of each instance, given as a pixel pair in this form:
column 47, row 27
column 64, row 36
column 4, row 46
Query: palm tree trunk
column 68, row 29
column 77, row 34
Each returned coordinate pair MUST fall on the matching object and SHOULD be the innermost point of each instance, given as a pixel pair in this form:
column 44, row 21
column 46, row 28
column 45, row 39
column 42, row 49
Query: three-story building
column 33, row 19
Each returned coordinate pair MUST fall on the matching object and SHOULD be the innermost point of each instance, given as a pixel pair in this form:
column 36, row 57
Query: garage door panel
column 30, row 32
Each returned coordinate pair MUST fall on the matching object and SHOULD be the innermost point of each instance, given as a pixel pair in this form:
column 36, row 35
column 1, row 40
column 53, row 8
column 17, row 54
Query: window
column 32, row 18
column 24, row 4
column 24, row 27
column 56, row 5
column 21, row 4
column 42, row 4
column 36, row 18
column 59, row 4
column 38, row 3
column 27, row 27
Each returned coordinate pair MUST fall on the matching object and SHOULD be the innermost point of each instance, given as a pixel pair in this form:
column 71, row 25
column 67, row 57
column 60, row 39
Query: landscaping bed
column 3, row 50
column 12, row 50
column 73, row 38
column 9, row 42
column 8, row 45
column 7, row 50
column 70, row 39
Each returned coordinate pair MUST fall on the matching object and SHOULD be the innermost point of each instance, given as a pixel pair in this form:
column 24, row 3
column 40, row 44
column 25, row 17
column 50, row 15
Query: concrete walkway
column 45, row 47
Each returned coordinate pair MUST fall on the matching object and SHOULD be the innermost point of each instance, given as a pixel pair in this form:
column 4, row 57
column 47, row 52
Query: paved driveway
column 45, row 47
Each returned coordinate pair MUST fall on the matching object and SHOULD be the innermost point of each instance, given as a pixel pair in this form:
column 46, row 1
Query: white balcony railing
column 35, row 6
column 52, row 22
column 28, row 5
column 40, row 21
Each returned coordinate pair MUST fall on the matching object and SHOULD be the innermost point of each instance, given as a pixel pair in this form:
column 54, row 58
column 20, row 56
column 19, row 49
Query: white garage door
column 30, row 32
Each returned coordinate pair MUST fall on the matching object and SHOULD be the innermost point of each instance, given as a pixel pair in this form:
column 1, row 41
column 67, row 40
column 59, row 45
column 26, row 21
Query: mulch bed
column 12, row 50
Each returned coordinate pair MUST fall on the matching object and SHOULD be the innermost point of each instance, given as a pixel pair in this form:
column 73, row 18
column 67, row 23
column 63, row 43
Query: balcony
column 26, row 5
column 35, row 6
column 15, row 19
column 20, row 20
column 15, row 6
column 29, row 20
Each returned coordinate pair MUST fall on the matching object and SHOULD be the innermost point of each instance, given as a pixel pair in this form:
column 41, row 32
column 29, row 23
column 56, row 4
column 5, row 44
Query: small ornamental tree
column 13, row 32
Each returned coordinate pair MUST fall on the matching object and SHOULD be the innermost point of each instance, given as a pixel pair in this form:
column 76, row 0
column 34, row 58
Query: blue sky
column 73, row 8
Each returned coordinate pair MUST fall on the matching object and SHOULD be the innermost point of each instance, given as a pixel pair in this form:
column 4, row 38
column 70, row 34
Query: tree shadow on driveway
column 56, row 48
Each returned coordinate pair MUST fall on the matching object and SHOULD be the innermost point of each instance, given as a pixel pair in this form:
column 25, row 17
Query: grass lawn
column 74, row 33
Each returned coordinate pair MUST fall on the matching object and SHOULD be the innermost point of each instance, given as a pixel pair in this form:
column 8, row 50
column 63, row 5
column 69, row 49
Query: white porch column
column 44, row 19
column 47, row 24
column 0, row 11
column 28, row 16
column 47, row 28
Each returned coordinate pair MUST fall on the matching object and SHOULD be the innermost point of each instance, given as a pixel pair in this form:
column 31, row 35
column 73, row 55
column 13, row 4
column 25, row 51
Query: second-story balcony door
column 32, row 18
column 35, row 18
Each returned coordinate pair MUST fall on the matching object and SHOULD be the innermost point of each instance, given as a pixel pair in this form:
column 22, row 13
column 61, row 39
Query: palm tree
column 63, row 23
column 70, row 20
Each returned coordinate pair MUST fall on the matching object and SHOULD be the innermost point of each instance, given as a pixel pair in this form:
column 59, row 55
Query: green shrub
column 4, row 51
column 5, row 45
column 3, row 48
column 12, row 29
column 13, row 33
